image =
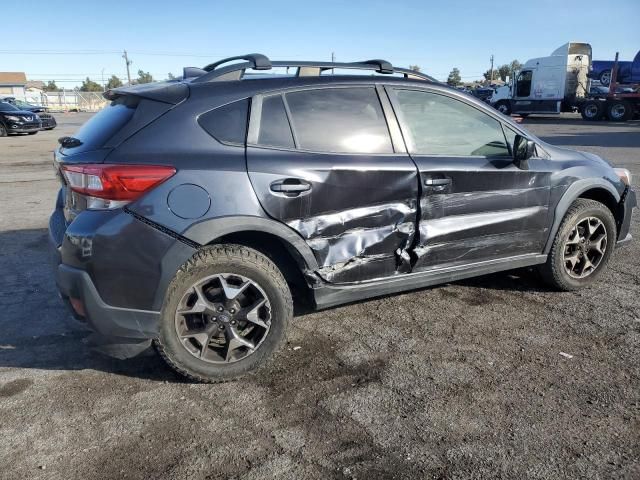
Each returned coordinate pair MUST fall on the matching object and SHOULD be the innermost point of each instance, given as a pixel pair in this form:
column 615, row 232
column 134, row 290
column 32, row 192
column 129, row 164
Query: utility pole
column 104, row 87
column 333, row 59
column 491, row 79
column 128, row 62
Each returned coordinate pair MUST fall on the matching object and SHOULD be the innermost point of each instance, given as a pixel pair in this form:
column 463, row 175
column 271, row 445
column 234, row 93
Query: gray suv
column 193, row 214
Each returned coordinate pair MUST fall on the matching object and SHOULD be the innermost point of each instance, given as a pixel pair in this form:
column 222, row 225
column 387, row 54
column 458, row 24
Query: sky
column 68, row 41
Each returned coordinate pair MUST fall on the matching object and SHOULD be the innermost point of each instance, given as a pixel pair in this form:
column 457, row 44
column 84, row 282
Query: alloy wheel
column 585, row 247
column 223, row 318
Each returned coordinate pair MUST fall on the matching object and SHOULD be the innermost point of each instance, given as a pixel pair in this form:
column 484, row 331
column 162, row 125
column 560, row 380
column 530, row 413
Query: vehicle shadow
column 36, row 329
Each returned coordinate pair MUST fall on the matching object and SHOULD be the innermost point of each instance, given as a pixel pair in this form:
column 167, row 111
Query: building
column 13, row 83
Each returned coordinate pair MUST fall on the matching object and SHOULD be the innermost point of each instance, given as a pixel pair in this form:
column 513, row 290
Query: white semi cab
column 550, row 84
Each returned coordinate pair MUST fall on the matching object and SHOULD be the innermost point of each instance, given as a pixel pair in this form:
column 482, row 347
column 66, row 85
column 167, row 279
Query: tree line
column 89, row 85
column 502, row 72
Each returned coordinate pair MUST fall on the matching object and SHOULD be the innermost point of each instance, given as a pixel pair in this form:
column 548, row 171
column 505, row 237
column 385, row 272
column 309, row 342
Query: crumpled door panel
column 490, row 209
column 358, row 216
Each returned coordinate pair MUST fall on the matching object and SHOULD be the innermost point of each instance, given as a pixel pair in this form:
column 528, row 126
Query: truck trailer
column 619, row 105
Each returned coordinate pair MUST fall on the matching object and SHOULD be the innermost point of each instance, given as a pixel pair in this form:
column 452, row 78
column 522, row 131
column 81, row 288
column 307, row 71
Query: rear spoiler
column 172, row 92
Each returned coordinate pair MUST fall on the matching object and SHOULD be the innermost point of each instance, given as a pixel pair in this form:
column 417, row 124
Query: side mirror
column 522, row 151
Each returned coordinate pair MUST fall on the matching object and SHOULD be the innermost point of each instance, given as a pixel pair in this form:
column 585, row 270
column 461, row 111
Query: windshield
column 7, row 107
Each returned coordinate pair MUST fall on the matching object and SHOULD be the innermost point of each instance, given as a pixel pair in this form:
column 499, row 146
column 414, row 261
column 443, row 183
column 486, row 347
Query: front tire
column 3, row 130
column 225, row 313
column 582, row 246
column 503, row 107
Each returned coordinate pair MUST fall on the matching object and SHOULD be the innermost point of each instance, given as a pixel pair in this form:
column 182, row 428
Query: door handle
column 290, row 186
column 437, row 182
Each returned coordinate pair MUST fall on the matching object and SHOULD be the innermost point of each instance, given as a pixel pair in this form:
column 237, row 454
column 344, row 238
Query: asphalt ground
column 494, row 377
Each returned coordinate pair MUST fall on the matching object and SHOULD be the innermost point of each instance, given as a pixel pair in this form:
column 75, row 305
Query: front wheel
column 582, row 247
column 225, row 313
column 503, row 107
column 3, row 130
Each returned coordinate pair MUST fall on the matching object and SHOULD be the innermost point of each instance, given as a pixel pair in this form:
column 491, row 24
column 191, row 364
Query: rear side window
column 274, row 126
column 227, row 124
column 104, row 124
column 342, row 120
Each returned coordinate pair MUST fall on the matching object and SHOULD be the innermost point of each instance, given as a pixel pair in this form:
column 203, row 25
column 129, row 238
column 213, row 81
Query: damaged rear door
column 475, row 203
column 325, row 162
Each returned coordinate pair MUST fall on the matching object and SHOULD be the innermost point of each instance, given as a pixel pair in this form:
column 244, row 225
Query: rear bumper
column 120, row 332
column 116, row 269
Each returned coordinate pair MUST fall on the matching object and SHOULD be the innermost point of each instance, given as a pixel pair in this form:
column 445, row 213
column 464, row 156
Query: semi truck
column 560, row 83
column 550, row 84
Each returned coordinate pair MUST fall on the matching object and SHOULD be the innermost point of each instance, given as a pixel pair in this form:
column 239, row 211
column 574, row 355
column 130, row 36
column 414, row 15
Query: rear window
column 347, row 120
column 104, row 124
column 227, row 124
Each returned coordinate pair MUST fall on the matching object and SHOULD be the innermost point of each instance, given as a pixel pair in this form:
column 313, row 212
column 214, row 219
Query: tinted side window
column 227, row 124
column 439, row 125
column 348, row 120
column 274, row 127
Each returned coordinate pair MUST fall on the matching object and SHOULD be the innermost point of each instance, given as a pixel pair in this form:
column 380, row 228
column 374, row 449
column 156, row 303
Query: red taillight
column 122, row 183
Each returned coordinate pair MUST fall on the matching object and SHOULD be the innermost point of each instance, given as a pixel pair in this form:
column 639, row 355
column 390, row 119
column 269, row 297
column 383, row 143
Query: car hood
column 563, row 153
column 18, row 112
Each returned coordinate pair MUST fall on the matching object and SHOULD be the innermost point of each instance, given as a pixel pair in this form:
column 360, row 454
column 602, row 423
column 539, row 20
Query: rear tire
column 578, row 256
column 619, row 111
column 592, row 110
column 238, row 299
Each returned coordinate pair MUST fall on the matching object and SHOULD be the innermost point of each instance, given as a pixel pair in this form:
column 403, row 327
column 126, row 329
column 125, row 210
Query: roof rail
column 217, row 72
column 257, row 61
column 383, row 65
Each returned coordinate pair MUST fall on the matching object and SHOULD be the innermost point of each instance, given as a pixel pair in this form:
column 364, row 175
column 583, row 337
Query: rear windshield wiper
column 69, row 142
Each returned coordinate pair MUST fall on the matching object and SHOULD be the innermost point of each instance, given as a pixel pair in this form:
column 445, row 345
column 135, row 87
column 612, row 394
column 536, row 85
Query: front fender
column 570, row 195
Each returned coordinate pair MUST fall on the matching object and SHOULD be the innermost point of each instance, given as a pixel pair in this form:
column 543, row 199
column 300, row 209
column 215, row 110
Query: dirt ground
column 465, row 380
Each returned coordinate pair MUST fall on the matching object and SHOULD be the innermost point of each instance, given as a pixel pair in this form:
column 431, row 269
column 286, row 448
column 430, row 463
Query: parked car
column 628, row 72
column 602, row 91
column 14, row 120
column 194, row 213
column 48, row 120
column 483, row 93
